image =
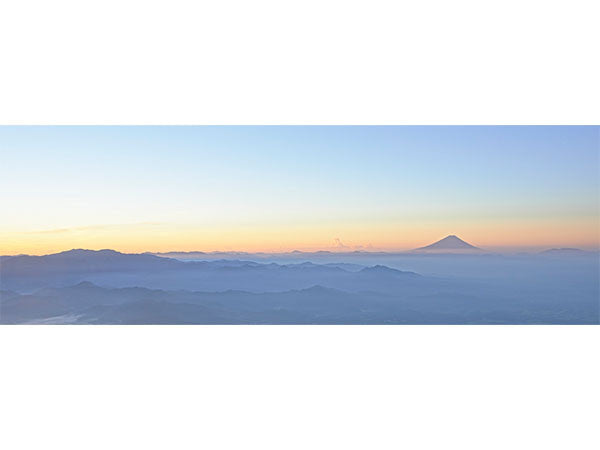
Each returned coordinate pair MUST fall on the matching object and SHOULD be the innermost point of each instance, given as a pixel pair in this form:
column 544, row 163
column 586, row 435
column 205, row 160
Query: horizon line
column 418, row 251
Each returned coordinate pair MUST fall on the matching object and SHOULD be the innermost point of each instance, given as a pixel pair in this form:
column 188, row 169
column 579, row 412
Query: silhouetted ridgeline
column 86, row 303
column 94, row 287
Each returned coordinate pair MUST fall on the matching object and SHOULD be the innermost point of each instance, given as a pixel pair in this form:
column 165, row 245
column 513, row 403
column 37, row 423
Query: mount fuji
column 450, row 244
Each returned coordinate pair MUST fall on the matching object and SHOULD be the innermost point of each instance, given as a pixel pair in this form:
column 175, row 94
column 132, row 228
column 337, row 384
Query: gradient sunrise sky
column 280, row 188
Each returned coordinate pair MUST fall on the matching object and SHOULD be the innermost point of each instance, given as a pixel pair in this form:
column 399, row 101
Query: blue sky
column 289, row 187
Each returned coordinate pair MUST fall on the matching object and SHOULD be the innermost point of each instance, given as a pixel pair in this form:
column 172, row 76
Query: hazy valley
column 464, row 286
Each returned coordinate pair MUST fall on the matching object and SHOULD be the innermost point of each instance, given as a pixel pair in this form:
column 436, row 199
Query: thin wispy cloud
column 338, row 243
column 93, row 227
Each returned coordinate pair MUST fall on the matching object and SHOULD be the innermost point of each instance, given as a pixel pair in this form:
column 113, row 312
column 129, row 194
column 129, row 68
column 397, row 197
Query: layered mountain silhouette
column 79, row 260
column 565, row 252
column 109, row 287
column 86, row 303
column 450, row 244
column 110, row 268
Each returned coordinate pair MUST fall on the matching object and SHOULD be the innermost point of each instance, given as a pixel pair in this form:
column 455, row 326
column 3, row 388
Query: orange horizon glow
column 155, row 237
column 284, row 188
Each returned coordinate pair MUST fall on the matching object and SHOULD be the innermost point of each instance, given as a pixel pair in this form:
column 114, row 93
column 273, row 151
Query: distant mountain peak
column 564, row 251
column 83, row 251
column 85, row 284
column 385, row 270
column 380, row 268
column 318, row 289
column 448, row 244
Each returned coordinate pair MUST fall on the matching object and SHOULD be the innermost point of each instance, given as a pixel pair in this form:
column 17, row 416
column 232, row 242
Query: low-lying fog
column 83, row 286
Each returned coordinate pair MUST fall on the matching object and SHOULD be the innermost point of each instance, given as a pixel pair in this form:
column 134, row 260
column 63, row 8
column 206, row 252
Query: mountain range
column 111, row 268
column 438, row 284
column 86, row 303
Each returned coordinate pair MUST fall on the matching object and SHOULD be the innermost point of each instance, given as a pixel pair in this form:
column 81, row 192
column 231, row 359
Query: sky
column 281, row 188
